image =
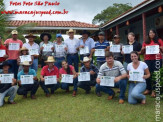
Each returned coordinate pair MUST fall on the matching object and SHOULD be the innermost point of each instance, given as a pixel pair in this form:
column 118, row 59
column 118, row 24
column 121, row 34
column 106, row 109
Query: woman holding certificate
column 152, row 49
column 69, row 76
column 138, row 72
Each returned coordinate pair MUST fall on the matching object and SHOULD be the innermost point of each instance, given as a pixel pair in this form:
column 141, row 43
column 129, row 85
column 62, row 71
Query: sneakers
column 74, row 93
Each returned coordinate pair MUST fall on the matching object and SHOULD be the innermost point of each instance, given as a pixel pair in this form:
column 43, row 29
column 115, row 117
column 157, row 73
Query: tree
column 111, row 12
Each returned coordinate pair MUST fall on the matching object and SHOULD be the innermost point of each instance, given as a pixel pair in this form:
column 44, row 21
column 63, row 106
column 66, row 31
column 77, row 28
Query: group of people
column 60, row 59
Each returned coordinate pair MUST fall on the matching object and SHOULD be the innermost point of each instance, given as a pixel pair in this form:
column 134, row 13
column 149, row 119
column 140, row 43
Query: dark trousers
column 86, row 85
column 73, row 58
column 53, row 87
column 23, row 90
column 153, row 66
column 14, row 68
column 58, row 62
column 65, row 86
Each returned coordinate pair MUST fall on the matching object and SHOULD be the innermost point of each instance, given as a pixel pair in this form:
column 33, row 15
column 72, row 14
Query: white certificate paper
column 59, row 48
column 67, row 78
column 84, row 76
column 47, row 47
column 33, row 52
column 14, row 46
column 107, row 81
column 99, row 52
column 50, row 80
column 26, row 79
column 2, row 53
column 84, row 50
column 115, row 48
column 127, row 49
column 24, row 58
column 152, row 49
column 6, row 78
column 136, row 76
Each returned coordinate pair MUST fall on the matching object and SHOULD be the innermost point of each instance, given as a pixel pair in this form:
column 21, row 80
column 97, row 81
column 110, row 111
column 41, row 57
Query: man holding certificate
column 33, row 49
column 49, row 77
column 116, row 76
column 8, row 86
column 13, row 45
column 87, row 76
column 27, row 81
column 100, row 48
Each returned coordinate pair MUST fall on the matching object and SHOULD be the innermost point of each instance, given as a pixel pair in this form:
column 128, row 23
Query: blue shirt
column 31, row 72
column 102, row 45
column 89, row 43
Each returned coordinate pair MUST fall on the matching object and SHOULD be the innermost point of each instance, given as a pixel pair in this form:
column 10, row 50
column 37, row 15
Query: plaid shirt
column 60, row 53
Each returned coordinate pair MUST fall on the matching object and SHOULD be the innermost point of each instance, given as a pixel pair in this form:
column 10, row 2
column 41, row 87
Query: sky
column 79, row 10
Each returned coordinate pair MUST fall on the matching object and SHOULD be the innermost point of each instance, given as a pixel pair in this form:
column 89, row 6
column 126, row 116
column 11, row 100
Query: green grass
column 62, row 107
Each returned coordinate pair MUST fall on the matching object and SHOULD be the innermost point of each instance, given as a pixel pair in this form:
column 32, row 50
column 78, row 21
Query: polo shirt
column 102, row 45
column 31, row 72
column 153, row 56
column 2, row 47
column 13, row 54
column 115, row 71
column 62, row 70
column 46, row 72
column 136, row 47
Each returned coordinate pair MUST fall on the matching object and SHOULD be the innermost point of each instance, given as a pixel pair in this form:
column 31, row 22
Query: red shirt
column 46, row 72
column 153, row 56
column 2, row 47
column 62, row 70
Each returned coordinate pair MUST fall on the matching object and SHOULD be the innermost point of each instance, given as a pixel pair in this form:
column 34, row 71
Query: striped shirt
column 102, row 45
column 115, row 71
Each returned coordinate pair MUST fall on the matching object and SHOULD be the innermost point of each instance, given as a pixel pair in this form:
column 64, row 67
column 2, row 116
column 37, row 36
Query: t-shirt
column 153, row 56
column 62, row 70
column 13, row 54
column 46, row 72
column 142, row 66
column 2, row 47
column 31, row 72
column 115, row 71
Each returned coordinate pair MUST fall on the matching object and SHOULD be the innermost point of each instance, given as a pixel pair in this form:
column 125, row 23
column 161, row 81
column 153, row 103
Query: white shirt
column 72, row 44
column 34, row 46
column 142, row 66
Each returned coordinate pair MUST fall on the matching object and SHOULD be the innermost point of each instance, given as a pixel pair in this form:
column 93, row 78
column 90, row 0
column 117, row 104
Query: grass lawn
column 62, row 107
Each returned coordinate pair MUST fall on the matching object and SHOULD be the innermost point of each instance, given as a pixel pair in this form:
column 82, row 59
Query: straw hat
column 30, row 35
column 70, row 31
column 86, row 59
column 50, row 59
column 14, row 32
column 23, row 48
column 26, row 63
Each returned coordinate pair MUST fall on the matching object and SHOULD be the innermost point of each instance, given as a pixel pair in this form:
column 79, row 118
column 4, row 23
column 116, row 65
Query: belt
column 72, row 53
column 135, row 82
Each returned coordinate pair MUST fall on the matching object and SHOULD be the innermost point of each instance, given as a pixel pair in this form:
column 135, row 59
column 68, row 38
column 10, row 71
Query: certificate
column 115, row 48
column 2, row 53
column 127, row 49
column 59, row 48
column 136, row 76
column 14, row 46
column 67, row 78
column 152, row 49
column 84, row 50
column 99, row 52
column 50, row 80
column 6, row 78
column 26, row 79
column 107, row 81
column 84, row 76
column 24, row 58
column 47, row 47
column 33, row 51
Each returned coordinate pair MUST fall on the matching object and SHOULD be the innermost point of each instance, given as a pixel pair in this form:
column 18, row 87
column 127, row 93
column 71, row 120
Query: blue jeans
column 99, row 64
column 135, row 92
column 73, row 58
column 65, row 86
column 53, row 87
column 35, row 64
column 58, row 62
column 120, row 84
column 11, row 92
column 14, row 68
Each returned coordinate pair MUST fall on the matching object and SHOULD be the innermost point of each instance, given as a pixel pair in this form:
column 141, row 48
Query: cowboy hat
column 14, row 32
column 85, row 32
column 86, row 59
column 70, row 31
column 23, row 48
column 30, row 35
column 50, row 59
column 5, row 63
column 45, row 34
column 26, row 63
column 116, row 37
